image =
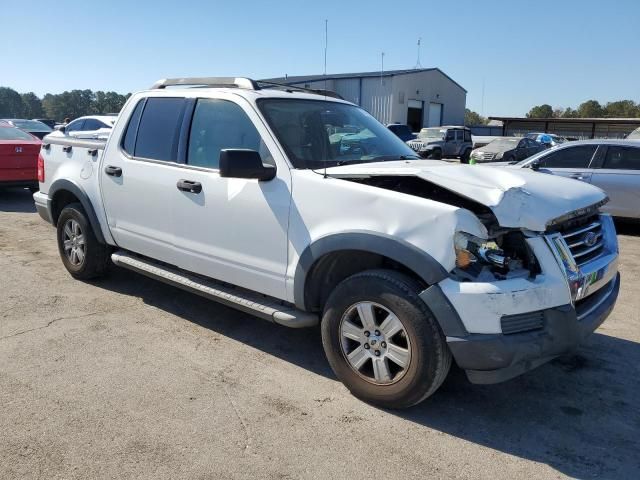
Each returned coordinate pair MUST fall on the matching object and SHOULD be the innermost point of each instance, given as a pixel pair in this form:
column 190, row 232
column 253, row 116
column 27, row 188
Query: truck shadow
column 578, row 414
column 18, row 200
column 628, row 227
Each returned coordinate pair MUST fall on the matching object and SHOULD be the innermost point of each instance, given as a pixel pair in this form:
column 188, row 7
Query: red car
column 19, row 152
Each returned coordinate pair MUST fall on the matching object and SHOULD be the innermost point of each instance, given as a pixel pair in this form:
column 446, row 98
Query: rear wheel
column 82, row 254
column 466, row 155
column 382, row 341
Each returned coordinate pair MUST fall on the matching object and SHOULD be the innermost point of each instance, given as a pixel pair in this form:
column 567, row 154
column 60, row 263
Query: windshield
column 318, row 134
column 432, row 133
column 10, row 133
column 505, row 142
column 31, row 125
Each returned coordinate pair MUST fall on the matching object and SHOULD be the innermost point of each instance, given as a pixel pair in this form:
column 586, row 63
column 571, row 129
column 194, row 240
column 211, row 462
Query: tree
column 541, row 111
column 109, row 102
column 32, row 106
column 473, row 118
column 569, row 113
column 11, row 105
column 622, row 109
column 590, row 109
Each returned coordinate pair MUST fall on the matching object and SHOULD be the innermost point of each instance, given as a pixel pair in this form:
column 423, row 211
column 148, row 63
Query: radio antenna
column 381, row 66
column 326, row 43
column 418, row 64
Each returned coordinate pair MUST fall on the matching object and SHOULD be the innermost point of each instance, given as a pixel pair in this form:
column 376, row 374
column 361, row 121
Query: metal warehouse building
column 581, row 128
column 418, row 97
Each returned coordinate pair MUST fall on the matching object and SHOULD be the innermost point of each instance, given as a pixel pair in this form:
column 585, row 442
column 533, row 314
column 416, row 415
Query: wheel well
column 61, row 199
column 329, row 270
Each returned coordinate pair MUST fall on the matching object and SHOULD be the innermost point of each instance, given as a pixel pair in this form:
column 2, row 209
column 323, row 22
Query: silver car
column 612, row 165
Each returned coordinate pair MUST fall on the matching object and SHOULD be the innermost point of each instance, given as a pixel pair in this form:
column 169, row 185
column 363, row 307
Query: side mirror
column 243, row 163
column 535, row 166
column 62, row 129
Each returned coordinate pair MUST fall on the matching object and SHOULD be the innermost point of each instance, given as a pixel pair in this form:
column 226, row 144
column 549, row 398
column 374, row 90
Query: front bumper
column 500, row 357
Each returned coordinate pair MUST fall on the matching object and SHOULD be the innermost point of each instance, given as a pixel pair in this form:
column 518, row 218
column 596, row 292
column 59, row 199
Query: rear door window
column 573, row 157
column 159, row 129
column 91, row 124
column 622, row 158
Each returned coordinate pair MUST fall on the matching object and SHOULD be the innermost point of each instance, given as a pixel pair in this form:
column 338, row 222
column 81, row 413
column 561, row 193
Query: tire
column 420, row 344
column 435, row 155
column 83, row 255
column 466, row 155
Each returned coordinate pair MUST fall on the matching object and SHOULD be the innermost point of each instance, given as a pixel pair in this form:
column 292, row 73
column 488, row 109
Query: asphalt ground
column 126, row 377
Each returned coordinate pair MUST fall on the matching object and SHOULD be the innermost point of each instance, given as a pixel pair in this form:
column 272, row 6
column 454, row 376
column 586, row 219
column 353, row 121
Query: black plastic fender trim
column 419, row 261
column 80, row 194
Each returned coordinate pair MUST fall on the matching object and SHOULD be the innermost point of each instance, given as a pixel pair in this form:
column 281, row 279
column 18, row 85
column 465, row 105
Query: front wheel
column 382, row 341
column 466, row 155
column 435, row 154
column 82, row 254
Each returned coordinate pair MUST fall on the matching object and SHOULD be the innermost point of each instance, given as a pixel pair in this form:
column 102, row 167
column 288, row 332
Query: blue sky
column 561, row 52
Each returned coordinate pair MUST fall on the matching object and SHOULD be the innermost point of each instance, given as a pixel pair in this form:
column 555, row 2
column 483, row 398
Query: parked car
column 403, row 132
column 508, row 149
column 18, row 157
column 547, row 139
column 90, row 127
column 302, row 209
column 443, row 142
column 33, row 127
column 47, row 121
column 612, row 165
column 635, row 135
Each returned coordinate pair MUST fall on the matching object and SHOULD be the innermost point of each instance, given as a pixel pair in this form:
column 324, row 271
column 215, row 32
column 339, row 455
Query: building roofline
column 568, row 120
column 338, row 76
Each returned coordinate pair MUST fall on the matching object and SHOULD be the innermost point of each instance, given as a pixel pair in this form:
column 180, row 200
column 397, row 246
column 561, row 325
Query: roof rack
column 237, row 82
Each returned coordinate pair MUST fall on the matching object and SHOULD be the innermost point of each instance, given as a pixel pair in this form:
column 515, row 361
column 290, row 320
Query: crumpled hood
column 519, row 198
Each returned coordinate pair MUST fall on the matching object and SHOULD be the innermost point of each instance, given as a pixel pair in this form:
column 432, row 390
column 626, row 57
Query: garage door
column 435, row 114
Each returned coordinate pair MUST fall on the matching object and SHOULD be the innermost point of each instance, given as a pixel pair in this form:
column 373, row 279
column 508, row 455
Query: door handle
column 189, row 186
column 577, row 176
column 113, row 171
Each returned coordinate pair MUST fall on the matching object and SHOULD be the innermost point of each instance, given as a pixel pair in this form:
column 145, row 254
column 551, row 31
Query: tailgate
column 18, row 161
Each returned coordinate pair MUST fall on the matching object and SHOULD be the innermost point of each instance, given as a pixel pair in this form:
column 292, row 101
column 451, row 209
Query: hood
column 496, row 148
column 519, row 198
column 426, row 141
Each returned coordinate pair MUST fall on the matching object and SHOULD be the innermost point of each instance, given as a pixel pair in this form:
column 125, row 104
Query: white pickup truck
column 302, row 209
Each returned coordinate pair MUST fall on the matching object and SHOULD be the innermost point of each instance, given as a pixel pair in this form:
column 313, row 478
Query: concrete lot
column 130, row 378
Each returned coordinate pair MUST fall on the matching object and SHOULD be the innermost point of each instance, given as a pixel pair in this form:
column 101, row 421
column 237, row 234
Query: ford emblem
column 590, row 239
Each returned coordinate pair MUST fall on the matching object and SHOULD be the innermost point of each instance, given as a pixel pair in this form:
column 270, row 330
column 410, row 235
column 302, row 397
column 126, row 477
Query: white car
column 90, row 127
column 303, row 209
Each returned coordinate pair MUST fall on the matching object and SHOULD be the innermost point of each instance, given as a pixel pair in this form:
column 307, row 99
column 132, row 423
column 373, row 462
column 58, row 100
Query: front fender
column 420, row 262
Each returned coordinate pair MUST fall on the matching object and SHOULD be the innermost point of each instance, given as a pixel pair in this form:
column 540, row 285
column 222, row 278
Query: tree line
column 69, row 104
column 588, row 109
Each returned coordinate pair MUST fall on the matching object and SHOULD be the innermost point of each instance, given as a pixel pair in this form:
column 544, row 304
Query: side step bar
column 235, row 297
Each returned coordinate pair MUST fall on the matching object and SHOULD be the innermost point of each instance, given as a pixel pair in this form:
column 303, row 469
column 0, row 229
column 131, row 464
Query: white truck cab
column 299, row 207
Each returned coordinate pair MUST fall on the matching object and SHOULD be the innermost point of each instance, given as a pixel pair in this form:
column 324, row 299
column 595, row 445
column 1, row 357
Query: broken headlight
column 506, row 256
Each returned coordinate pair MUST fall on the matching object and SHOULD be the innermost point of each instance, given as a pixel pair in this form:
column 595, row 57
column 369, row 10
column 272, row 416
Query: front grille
column 486, row 156
column 584, row 238
column 522, row 322
column 416, row 146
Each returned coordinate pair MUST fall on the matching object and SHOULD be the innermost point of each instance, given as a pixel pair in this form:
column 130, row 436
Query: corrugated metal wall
column 579, row 130
column 349, row 89
column 376, row 98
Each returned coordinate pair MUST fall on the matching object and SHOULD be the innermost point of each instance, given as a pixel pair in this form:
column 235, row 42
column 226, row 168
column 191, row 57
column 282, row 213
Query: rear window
column 159, row 129
column 622, row 158
column 9, row 133
column 32, row 125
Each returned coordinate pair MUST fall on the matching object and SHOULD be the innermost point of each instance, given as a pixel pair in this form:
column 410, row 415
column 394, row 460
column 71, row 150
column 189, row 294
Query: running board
column 235, row 297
